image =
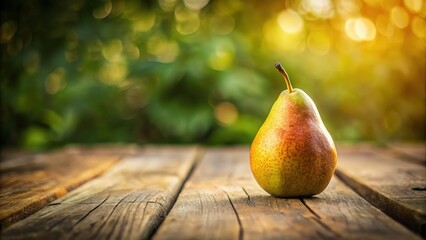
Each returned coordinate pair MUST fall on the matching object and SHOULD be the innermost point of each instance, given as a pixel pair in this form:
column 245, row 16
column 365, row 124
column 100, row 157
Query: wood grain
column 414, row 152
column 29, row 183
column 221, row 200
column 396, row 187
column 128, row 202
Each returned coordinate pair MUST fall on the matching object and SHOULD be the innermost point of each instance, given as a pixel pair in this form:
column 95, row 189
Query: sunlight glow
column 290, row 21
column 318, row 43
column 348, row 7
column 414, row 5
column 400, row 17
column 360, row 29
column 280, row 41
column 318, row 8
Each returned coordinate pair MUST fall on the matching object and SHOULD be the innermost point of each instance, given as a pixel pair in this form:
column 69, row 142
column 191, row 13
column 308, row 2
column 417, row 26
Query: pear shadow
column 297, row 197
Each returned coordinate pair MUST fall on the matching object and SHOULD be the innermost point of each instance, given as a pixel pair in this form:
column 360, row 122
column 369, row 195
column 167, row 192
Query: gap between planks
column 234, row 171
column 221, row 201
column 199, row 154
column 388, row 181
column 129, row 201
column 29, row 183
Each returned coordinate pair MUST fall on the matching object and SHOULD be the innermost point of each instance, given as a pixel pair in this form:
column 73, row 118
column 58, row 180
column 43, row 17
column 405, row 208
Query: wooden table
column 190, row 192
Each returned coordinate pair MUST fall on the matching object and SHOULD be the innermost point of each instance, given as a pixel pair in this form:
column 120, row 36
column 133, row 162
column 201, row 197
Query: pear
column 293, row 155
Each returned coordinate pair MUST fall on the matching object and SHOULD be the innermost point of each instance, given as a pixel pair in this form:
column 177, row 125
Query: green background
column 203, row 71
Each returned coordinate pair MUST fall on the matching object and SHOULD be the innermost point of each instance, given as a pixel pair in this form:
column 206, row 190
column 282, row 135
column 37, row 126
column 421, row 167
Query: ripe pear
column 293, row 155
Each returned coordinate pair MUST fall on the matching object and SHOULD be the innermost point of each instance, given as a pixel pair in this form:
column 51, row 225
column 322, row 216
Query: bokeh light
column 418, row 27
column 317, row 8
column 414, row 5
column 400, row 17
column 55, row 81
column 195, row 4
column 290, row 21
column 226, row 113
column 360, row 29
column 103, row 11
column 201, row 71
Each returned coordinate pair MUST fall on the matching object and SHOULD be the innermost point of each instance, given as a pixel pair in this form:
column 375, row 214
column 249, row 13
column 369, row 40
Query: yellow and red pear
column 293, row 155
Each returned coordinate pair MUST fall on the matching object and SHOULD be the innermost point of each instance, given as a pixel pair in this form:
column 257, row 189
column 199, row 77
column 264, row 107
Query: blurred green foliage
column 173, row 71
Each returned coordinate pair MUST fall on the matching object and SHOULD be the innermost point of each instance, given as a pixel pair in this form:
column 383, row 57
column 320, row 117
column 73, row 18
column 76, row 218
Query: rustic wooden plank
column 129, row 201
column 221, row 200
column 396, row 187
column 344, row 212
column 103, row 148
column 12, row 153
column 414, row 152
column 30, row 182
column 408, row 152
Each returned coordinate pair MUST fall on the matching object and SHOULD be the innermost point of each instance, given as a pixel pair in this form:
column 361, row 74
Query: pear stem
column 285, row 75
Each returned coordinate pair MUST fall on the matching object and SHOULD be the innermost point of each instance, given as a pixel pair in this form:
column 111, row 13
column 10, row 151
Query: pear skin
column 293, row 155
